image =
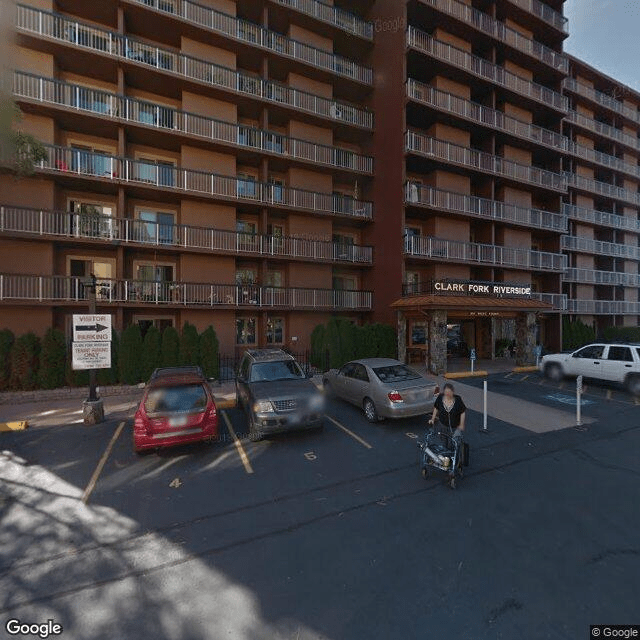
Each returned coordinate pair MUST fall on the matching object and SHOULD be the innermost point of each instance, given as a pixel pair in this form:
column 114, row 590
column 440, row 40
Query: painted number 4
column 176, row 483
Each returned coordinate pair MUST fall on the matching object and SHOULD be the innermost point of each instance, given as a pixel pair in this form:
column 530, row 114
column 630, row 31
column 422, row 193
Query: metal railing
column 601, row 98
column 86, row 37
column 604, row 159
column 500, row 31
column 481, row 161
column 256, row 35
column 602, row 129
column 602, row 218
column 482, row 115
column 603, row 307
column 332, row 15
column 482, row 68
column 557, row 300
column 70, row 161
column 594, row 276
column 69, row 289
column 510, row 257
column 103, row 103
column 451, row 201
column 544, row 12
column 76, row 226
column 605, row 189
column 600, row 247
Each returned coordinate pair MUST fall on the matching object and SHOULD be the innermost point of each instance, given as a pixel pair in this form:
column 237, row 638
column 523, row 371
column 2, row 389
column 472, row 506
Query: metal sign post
column 538, row 352
column 472, row 357
column 579, row 400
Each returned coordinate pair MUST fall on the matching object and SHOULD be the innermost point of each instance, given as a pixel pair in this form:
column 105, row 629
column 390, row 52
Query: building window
column 418, row 333
column 412, row 282
column 156, row 172
column 145, row 323
column 345, row 283
column 275, row 330
column 247, row 187
column 245, row 276
column 156, row 227
column 274, row 279
column 156, row 115
column 91, row 162
column 92, row 220
column 276, row 189
column 81, row 267
column 246, row 331
column 155, row 272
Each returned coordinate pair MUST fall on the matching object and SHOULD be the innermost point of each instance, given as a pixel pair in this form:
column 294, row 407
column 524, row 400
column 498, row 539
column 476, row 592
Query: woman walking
column 450, row 410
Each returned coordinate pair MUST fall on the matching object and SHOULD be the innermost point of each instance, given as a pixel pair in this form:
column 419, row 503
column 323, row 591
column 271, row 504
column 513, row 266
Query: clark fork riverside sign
column 498, row 289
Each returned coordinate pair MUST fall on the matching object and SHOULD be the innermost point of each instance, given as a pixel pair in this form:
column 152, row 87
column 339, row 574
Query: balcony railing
column 593, row 276
column 481, row 161
column 484, row 115
column 603, row 307
column 557, row 300
column 500, row 31
column 106, row 104
column 77, row 226
column 472, row 252
column 602, row 218
column 259, row 37
column 588, row 245
column 603, row 129
column 86, row 37
column 482, row 68
column 69, row 161
column 603, row 99
column 332, row 15
column 604, row 189
column 450, row 201
column 604, row 159
column 69, row 289
column 544, row 12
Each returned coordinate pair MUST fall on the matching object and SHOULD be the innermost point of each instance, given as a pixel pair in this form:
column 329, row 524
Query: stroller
column 440, row 450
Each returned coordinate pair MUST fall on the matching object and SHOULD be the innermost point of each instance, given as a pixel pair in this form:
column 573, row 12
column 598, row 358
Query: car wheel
column 633, row 385
column 370, row 410
column 554, row 372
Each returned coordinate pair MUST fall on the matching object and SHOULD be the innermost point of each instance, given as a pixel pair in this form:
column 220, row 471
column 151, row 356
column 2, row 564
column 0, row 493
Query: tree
column 53, row 359
column 25, row 355
column 111, row 375
column 6, row 342
column 209, row 353
column 151, row 351
column 189, row 345
column 129, row 361
column 319, row 347
column 169, row 349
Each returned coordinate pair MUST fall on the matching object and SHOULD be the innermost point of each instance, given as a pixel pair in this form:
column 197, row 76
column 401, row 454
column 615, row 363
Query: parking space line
column 524, row 378
column 241, row 452
column 98, row 470
column 609, row 394
column 364, row 443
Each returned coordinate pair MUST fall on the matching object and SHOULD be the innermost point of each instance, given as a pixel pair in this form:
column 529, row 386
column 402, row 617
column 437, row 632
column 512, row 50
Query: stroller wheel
column 453, row 483
column 425, row 472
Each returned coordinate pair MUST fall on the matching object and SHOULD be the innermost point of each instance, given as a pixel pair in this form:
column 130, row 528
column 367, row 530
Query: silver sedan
column 382, row 387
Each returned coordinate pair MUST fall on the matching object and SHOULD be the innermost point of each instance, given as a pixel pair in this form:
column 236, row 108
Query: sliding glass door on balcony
column 85, row 160
column 91, row 220
column 156, row 227
column 156, row 172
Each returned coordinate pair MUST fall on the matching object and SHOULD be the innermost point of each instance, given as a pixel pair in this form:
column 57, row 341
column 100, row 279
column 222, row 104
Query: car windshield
column 187, row 398
column 278, row 370
column 396, row 373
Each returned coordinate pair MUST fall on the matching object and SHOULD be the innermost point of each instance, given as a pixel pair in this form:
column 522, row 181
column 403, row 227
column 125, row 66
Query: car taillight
column 140, row 421
column 212, row 411
column 395, row 396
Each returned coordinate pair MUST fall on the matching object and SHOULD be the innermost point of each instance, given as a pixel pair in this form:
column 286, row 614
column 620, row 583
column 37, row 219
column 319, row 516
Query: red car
column 175, row 409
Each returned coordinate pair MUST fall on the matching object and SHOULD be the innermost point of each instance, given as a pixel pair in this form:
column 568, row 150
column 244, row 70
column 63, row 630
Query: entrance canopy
column 470, row 306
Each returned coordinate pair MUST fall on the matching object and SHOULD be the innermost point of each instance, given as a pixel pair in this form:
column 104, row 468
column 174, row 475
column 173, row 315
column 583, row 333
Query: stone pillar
column 402, row 337
column 526, row 325
column 438, row 342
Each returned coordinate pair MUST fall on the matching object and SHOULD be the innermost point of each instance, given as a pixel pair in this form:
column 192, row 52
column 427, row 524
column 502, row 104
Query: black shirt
column 450, row 418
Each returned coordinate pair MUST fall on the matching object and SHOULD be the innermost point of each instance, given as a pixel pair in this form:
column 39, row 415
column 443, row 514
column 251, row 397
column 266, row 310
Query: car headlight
column 316, row 403
column 263, row 406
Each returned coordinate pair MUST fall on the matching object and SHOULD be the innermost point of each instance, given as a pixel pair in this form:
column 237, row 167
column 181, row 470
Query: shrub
column 111, row 375
column 189, row 345
column 6, row 342
column 209, row 349
column 169, row 348
column 53, row 358
column 622, row 334
column 576, row 333
column 25, row 356
column 150, row 352
column 319, row 347
column 387, row 342
column 129, row 360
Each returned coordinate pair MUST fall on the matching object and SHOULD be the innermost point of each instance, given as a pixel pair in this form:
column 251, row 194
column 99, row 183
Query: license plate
column 178, row 422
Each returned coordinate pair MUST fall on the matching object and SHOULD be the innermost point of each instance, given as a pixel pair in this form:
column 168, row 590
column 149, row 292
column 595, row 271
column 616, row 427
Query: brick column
column 526, row 324
column 402, row 337
column 437, row 342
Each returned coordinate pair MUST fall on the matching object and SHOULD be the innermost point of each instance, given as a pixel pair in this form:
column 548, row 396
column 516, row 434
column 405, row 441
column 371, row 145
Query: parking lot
column 331, row 534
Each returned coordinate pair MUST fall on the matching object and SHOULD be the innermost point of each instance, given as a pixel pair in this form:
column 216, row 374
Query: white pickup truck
column 611, row 362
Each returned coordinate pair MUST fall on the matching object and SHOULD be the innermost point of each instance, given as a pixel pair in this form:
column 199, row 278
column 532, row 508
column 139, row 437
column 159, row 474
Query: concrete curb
column 529, row 369
column 465, row 374
column 14, row 426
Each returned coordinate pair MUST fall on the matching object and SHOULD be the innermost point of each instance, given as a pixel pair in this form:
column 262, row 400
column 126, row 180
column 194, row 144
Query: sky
column 606, row 35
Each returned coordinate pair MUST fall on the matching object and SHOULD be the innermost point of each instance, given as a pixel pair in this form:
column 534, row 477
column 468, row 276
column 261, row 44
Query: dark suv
column 275, row 394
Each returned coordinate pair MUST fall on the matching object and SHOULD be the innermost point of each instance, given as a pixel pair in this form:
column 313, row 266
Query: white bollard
column 484, row 407
column 579, row 401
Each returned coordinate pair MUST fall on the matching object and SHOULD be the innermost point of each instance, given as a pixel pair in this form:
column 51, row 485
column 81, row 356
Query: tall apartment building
column 210, row 162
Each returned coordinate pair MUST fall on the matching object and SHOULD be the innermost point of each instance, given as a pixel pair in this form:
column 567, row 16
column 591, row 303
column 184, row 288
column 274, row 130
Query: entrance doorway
column 466, row 334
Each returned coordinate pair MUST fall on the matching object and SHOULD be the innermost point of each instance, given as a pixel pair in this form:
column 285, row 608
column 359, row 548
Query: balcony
column 602, row 99
column 599, row 247
column 71, row 162
column 334, row 16
column 423, row 42
column 475, row 253
column 602, row 218
column 120, row 108
column 557, row 300
column 443, row 151
column 604, row 159
column 484, row 116
column 84, row 37
column 500, row 31
column 603, row 307
column 602, row 129
column 545, row 13
column 605, row 189
column 76, row 227
column 593, row 276
column 69, row 290
column 451, row 202
column 257, row 36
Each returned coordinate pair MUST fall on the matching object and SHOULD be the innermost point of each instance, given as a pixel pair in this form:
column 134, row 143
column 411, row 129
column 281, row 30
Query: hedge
column 209, row 350
column 170, row 348
column 576, row 333
column 129, row 358
column 53, row 359
column 25, row 362
column 622, row 334
column 6, row 342
column 189, row 348
column 151, row 351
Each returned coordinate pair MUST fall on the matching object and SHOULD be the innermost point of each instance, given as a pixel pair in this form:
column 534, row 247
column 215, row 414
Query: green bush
column 170, row 347
column 189, row 345
column 53, row 360
column 111, row 375
column 576, row 333
column 622, row 334
column 319, row 347
column 25, row 357
column 129, row 356
column 6, row 342
column 150, row 352
column 209, row 349
column 387, row 341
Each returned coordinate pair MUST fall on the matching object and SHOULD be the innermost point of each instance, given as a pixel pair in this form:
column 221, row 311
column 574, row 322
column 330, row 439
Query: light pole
column 92, row 407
